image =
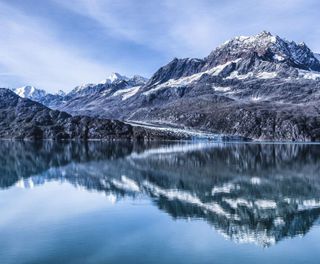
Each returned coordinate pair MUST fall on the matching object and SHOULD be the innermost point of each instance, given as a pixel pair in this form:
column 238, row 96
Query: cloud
column 133, row 36
column 31, row 51
column 195, row 27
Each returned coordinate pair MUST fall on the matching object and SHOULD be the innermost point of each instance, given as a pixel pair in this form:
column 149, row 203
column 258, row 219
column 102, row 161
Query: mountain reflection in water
column 250, row 193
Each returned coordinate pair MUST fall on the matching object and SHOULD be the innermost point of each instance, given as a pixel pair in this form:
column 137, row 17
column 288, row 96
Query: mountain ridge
column 22, row 118
column 261, row 87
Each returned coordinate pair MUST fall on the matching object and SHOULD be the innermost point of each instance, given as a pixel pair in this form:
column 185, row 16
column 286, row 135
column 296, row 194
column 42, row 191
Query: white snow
column 309, row 204
column 222, row 89
column 262, row 40
column 255, row 180
column 131, row 93
column 235, row 203
column 278, row 57
column 24, row 91
column 178, row 148
column 127, row 93
column 82, row 87
column 260, row 75
column 126, row 184
column 236, row 75
column 270, row 75
column 183, row 131
column 183, row 81
column 226, row 188
column 267, row 75
column 258, row 98
column 255, row 98
column 243, row 235
column 25, row 184
column 265, row 204
column 311, row 75
column 29, row 92
column 114, row 77
column 186, row 197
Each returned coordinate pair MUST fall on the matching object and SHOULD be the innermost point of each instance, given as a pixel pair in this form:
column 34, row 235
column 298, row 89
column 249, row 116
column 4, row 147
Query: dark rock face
column 176, row 69
column 25, row 119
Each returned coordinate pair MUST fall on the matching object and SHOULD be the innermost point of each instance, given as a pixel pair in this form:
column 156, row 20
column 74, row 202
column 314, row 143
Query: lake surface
column 159, row 203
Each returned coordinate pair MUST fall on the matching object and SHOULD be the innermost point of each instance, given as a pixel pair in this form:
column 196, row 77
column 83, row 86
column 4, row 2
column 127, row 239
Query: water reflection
column 253, row 193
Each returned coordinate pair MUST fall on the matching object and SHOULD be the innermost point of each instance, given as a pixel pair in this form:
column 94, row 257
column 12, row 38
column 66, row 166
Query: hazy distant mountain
column 30, row 92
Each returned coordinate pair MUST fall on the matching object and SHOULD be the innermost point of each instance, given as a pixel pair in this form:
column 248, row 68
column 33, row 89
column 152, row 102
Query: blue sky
column 59, row 44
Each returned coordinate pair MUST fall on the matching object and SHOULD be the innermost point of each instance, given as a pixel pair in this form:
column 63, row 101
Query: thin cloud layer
column 41, row 48
column 31, row 54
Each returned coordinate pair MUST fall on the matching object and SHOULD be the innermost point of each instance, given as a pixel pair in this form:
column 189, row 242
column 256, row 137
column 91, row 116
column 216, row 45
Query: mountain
column 30, row 92
column 22, row 118
column 115, row 86
column 89, row 98
column 261, row 87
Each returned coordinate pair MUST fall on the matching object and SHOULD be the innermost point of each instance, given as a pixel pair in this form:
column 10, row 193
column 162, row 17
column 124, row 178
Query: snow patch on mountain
column 114, row 77
column 278, row 57
column 184, row 81
column 81, row 87
column 221, row 88
column 259, row 75
column 127, row 93
column 311, row 75
column 266, row 44
column 185, row 197
column 263, row 39
column 29, row 92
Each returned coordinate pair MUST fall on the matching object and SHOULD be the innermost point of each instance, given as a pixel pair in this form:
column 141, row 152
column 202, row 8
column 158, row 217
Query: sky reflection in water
column 154, row 203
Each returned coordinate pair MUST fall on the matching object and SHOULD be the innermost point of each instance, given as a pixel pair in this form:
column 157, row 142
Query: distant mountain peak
column 263, row 38
column 29, row 92
column 114, row 77
column 268, row 47
column 60, row 93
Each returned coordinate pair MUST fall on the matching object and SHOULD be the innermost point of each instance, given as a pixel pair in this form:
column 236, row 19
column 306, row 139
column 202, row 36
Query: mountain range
column 260, row 87
column 22, row 118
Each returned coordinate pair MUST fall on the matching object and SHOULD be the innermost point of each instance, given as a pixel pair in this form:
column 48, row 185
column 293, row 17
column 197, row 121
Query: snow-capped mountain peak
column 114, row 77
column 262, row 39
column 114, row 82
column 29, row 92
column 267, row 46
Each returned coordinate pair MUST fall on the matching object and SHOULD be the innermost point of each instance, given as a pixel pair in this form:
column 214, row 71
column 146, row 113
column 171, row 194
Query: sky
column 59, row 44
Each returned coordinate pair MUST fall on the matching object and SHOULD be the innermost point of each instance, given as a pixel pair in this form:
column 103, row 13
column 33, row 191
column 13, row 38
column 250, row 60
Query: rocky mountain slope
column 22, row 118
column 261, row 87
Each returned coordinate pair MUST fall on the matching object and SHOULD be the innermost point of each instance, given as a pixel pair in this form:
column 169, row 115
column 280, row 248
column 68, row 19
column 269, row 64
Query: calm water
column 159, row 203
